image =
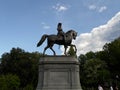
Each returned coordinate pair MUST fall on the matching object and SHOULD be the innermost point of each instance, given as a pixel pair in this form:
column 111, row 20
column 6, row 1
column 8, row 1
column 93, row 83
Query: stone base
column 58, row 73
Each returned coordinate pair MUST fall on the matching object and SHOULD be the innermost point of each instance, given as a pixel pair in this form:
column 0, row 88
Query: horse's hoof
column 54, row 54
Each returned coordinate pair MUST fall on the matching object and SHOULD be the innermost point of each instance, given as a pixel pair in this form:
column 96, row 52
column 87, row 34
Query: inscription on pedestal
column 62, row 77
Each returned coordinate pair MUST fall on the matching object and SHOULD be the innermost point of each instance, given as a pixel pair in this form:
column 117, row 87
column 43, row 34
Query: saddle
column 60, row 37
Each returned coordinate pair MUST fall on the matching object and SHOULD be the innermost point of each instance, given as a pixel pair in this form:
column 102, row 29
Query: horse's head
column 74, row 34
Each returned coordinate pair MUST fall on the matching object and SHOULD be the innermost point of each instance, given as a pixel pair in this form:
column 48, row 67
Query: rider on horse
column 60, row 31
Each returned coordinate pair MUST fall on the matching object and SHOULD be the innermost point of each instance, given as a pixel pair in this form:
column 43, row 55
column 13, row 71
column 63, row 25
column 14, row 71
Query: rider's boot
column 64, row 38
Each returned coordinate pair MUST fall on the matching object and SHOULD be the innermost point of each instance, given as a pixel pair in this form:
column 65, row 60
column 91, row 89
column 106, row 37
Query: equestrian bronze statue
column 60, row 39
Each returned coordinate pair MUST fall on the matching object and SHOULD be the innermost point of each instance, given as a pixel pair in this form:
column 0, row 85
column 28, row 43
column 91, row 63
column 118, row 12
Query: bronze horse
column 55, row 39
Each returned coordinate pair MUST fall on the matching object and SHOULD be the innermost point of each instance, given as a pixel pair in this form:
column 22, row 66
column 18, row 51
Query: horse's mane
column 69, row 31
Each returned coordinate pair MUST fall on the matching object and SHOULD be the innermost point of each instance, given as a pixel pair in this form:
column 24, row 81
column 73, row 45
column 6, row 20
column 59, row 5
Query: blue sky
column 23, row 22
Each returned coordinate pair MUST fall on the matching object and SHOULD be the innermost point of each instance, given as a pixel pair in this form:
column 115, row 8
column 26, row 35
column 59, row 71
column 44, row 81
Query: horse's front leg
column 65, row 50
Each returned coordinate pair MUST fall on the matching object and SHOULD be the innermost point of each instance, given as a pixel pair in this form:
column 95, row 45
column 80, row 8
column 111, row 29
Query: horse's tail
column 42, row 40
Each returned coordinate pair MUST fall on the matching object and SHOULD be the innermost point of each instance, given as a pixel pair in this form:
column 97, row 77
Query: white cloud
column 103, row 8
column 45, row 26
column 97, row 8
column 60, row 7
column 96, row 39
column 92, row 7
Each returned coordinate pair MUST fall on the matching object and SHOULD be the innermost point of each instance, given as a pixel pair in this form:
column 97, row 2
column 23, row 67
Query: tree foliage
column 71, row 51
column 9, row 82
column 112, row 56
column 23, row 64
column 102, row 66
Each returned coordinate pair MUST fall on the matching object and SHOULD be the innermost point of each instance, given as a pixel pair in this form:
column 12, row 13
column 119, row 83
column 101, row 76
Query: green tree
column 95, row 71
column 108, row 60
column 82, row 59
column 28, row 87
column 111, row 55
column 9, row 82
column 23, row 64
column 90, row 55
column 71, row 51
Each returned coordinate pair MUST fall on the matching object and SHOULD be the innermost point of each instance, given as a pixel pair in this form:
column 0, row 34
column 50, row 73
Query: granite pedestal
column 58, row 73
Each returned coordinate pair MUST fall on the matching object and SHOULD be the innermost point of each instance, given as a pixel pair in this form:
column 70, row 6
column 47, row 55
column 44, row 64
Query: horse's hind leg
column 45, row 49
